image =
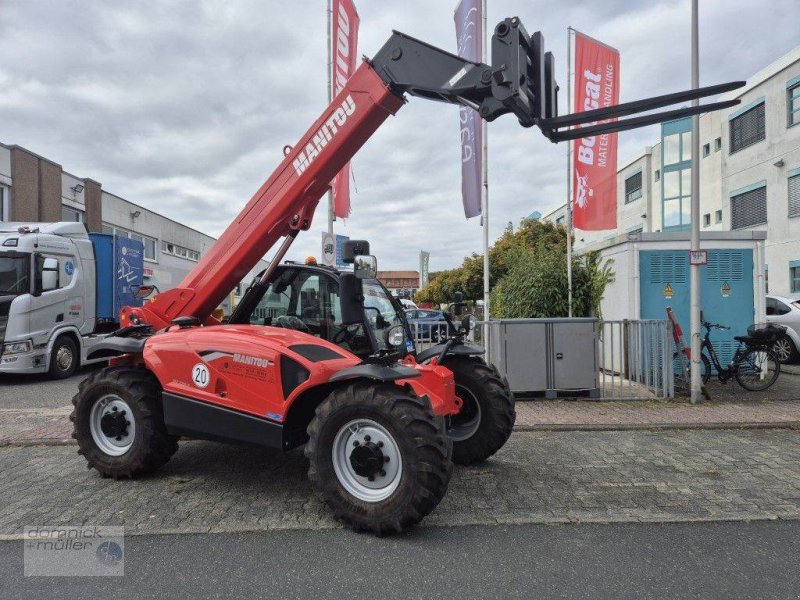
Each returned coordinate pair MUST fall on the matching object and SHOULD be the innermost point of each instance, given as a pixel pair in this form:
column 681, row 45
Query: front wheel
column 486, row 419
column 65, row 358
column 758, row 369
column 118, row 422
column 378, row 456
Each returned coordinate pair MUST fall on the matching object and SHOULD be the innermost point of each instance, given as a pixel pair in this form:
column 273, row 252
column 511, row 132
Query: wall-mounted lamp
column 136, row 214
column 779, row 163
column 77, row 189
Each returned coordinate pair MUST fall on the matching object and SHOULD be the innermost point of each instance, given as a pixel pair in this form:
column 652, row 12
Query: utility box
column 653, row 273
column 546, row 355
column 119, row 267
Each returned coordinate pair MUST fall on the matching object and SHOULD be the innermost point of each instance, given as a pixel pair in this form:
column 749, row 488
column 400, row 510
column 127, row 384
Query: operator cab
column 308, row 298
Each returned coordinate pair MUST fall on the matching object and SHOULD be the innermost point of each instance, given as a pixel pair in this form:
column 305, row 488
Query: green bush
column 528, row 276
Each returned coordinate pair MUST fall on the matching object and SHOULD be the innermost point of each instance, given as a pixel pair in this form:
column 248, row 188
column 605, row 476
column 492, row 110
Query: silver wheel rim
column 782, row 349
column 108, row 444
column 63, row 358
column 360, row 432
column 464, row 431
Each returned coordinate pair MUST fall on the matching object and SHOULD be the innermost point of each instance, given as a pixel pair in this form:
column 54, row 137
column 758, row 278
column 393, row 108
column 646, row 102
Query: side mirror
column 365, row 267
column 352, row 299
column 49, row 274
column 458, row 305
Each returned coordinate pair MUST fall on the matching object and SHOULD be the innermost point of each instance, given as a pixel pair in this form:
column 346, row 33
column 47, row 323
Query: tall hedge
column 528, row 276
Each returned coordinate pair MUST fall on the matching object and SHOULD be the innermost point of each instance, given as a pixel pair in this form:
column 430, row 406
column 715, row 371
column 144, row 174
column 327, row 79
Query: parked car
column 785, row 311
column 428, row 325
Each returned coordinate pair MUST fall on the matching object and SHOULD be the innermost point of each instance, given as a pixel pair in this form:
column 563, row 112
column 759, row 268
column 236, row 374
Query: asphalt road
column 38, row 391
column 709, row 560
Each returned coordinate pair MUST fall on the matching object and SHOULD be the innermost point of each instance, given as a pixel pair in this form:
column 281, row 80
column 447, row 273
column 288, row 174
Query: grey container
column 546, row 355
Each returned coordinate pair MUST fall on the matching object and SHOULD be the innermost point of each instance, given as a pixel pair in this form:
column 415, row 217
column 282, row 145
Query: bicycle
column 754, row 365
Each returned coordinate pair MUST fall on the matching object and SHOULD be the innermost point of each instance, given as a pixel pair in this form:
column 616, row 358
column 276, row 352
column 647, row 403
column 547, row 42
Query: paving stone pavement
column 539, row 477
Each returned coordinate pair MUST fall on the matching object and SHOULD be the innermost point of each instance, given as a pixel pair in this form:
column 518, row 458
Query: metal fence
column 635, row 360
column 429, row 334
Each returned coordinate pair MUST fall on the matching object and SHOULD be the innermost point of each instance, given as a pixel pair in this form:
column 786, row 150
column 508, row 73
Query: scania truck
column 60, row 286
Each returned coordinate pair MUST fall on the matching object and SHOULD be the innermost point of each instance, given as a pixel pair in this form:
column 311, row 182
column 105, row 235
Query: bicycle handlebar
column 708, row 325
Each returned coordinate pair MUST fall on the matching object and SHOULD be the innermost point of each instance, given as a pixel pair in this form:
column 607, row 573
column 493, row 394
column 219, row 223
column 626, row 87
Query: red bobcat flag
column 594, row 162
column 345, row 54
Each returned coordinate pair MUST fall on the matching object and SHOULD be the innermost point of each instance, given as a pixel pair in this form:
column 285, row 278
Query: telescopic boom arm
column 520, row 81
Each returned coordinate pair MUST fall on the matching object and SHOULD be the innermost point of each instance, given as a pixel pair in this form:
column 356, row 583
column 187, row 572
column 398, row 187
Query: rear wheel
column 784, row 350
column 486, row 419
column 378, row 456
column 119, row 424
column 758, row 369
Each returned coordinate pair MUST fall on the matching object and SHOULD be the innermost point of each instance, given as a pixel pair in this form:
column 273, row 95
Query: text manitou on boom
column 324, row 135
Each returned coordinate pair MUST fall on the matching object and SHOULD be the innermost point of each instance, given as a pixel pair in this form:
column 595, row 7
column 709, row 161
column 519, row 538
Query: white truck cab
column 47, row 297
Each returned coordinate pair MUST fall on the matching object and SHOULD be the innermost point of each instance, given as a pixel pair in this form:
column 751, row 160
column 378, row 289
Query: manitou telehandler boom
column 322, row 359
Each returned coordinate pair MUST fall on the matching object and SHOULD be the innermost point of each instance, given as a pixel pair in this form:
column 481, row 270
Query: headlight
column 395, row 336
column 18, row 347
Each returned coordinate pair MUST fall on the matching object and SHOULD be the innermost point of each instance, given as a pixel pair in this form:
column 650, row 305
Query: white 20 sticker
column 200, row 375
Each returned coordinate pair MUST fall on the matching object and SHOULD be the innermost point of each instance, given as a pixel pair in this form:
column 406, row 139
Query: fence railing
column 635, row 360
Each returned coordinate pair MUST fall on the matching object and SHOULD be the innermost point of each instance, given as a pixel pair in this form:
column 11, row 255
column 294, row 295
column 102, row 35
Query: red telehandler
column 322, row 358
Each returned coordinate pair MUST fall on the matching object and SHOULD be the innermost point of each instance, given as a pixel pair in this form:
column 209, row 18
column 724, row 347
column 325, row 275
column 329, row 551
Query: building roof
column 398, row 274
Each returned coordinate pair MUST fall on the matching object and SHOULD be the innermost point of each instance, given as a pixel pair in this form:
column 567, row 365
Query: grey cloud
column 184, row 106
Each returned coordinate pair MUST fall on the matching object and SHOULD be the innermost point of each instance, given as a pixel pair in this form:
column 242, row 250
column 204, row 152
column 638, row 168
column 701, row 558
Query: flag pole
column 694, row 269
column 485, row 200
column 330, row 99
column 569, row 176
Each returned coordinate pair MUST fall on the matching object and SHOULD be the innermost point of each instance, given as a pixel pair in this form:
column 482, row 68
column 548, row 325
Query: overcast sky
column 183, row 107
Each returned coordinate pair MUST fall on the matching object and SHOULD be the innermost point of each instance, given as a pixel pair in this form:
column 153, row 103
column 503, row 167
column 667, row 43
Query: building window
column 749, row 208
column 560, row 220
column 718, row 144
column 794, row 196
column 793, row 104
column 794, row 279
column 3, row 204
column 748, row 128
column 71, row 214
column 633, row 187
column 148, row 242
column 677, row 197
column 718, row 216
column 176, row 250
column 706, row 219
column 658, row 174
column 706, row 150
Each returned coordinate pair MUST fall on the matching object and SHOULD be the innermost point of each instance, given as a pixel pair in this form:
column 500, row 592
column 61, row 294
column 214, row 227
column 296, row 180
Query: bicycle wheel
column 758, row 369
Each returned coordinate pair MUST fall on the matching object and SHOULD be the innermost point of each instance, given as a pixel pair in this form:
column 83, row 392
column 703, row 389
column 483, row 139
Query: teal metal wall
column 726, row 291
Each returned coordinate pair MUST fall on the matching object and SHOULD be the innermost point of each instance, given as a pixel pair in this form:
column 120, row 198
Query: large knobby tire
column 352, row 434
column 118, row 422
column 65, row 358
column 487, row 417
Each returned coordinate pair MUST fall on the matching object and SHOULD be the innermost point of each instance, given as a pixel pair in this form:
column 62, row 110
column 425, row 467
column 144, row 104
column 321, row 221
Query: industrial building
column 36, row 189
column 749, row 175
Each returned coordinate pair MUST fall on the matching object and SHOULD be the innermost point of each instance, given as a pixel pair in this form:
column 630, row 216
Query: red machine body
column 261, row 371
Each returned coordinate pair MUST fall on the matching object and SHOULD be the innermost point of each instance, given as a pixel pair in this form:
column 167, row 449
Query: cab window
column 309, row 302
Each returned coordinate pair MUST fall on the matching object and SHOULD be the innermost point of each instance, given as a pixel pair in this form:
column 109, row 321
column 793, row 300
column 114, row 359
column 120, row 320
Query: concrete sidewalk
column 25, row 427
